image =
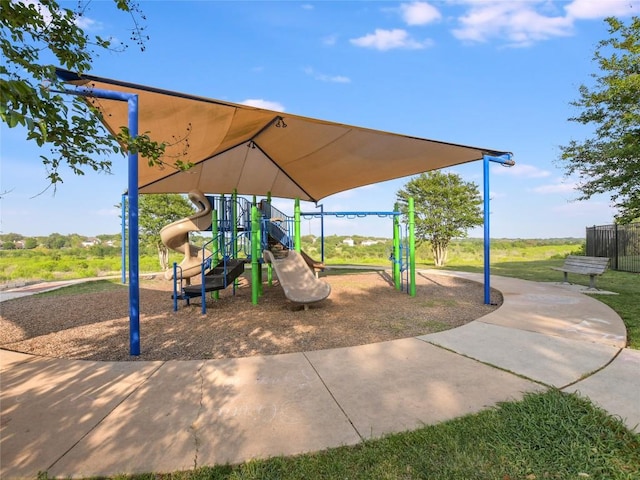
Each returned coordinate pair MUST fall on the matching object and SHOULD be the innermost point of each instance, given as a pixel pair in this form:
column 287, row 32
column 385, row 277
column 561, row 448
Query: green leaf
column 609, row 161
column 33, row 34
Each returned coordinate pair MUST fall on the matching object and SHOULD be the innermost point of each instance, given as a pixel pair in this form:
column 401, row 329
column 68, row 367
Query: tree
column 157, row 211
column 33, row 37
column 609, row 162
column 11, row 237
column 30, row 243
column 56, row 241
column 445, row 208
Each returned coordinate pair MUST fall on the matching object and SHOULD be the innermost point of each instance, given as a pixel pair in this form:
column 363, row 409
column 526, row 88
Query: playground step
column 216, row 281
column 232, row 265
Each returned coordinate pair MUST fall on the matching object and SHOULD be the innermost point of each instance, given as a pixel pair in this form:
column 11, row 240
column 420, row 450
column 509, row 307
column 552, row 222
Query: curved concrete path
column 81, row 418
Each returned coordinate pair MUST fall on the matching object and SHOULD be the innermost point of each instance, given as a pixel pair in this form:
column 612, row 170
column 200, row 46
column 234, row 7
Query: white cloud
column 80, row 20
column 44, row 12
column 517, row 22
column 600, row 212
column 419, row 13
column 557, row 187
column 522, row 23
column 522, row 170
column 390, row 39
column 590, row 9
column 326, row 78
column 86, row 23
column 266, row 104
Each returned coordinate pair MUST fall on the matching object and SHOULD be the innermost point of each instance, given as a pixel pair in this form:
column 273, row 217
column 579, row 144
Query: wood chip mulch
column 362, row 308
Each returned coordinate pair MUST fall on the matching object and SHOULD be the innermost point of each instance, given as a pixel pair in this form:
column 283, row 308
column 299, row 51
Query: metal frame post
column 506, row 160
column 255, row 249
column 487, row 234
column 397, row 261
column 297, row 236
column 132, row 191
column 234, row 219
column 322, row 233
column 123, row 237
column 412, row 248
column 134, row 254
column 223, row 225
column 269, row 266
column 214, row 243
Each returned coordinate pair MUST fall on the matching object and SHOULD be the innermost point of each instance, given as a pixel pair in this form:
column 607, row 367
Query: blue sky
column 495, row 74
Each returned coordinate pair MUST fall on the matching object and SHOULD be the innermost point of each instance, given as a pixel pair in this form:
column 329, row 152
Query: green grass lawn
column 548, row 435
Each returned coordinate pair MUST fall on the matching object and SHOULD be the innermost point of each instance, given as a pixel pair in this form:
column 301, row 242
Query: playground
column 277, row 373
column 363, row 308
column 257, row 152
column 247, row 292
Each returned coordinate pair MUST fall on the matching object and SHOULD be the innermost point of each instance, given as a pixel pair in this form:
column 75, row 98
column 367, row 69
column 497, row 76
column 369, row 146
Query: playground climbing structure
column 221, row 260
column 244, row 231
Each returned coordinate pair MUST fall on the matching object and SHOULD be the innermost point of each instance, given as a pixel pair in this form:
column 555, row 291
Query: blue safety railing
column 212, row 257
column 276, row 225
column 207, row 263
column 225, row 205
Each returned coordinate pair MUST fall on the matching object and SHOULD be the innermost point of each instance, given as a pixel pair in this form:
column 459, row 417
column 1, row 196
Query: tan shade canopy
column 254, row 151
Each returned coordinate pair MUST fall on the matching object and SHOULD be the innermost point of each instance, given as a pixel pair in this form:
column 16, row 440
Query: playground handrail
column 277, row 224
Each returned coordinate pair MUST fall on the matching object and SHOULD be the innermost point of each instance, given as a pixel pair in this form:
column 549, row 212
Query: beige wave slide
column 298, row 281
column 175, row 236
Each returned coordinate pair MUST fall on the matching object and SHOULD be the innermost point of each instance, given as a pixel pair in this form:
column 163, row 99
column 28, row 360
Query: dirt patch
column 362, row 308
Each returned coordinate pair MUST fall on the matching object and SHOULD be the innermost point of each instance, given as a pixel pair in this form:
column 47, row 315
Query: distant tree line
column 332, row 243
column 57, row 241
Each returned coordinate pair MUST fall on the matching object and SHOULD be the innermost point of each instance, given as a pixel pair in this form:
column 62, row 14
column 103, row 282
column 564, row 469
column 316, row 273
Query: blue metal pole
column 123, row 237
column 487, row 235
column 134, row 286
column 322, row 233
column 203, row 288
column 223, row 227
column 506, row 160
column 175, row 287
column 134, row 260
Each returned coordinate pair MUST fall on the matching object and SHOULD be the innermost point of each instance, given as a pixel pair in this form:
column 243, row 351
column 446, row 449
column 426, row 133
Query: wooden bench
column 591, row 266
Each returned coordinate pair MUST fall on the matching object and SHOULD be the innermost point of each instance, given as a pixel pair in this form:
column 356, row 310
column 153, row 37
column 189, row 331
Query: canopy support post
column 505, row 160
column 132, row 191
column 123, row 237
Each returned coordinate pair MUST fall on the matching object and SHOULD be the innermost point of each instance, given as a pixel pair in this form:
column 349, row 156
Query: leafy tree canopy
column 156, row 212
column 609, row 161
column 35, row 37
column 445, row 208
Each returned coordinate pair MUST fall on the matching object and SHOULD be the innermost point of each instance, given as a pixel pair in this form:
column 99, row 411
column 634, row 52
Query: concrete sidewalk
column 30, row 289
column 80, row 418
